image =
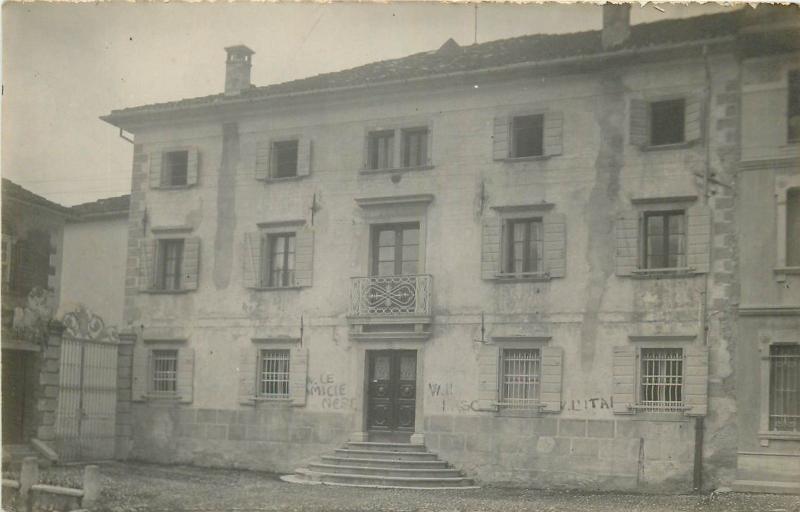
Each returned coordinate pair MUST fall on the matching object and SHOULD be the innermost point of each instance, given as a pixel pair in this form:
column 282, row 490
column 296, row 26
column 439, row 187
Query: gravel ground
column 134, row 487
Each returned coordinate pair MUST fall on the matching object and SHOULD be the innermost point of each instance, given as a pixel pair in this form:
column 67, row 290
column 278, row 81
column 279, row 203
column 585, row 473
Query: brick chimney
column 616, row 25
column 237, row 69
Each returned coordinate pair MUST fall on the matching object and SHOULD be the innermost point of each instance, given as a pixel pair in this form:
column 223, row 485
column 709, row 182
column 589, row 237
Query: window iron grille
column 273, row 378
column 784, row 388
column 521, row 378
column 660, row 380
column 165, row 371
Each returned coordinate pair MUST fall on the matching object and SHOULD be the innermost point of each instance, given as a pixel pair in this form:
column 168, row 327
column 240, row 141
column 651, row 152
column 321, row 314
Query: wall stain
column 599, row 212
column 226, row 206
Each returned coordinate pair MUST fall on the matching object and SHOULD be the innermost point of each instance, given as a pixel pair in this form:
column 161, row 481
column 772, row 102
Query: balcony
column 391, row 307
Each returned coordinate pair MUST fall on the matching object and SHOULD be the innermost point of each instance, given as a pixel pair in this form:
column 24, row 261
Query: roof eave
column 129, row 119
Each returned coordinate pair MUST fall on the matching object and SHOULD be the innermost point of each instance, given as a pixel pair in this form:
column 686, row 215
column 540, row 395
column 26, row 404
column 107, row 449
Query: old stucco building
column 520, row 254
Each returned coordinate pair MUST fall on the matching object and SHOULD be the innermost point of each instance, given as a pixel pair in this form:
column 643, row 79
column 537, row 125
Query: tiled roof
column 454, row 59
column 12, row 190
column 103, row 207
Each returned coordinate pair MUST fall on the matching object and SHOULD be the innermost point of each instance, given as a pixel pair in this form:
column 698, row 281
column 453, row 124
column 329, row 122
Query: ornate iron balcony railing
column 391, row 295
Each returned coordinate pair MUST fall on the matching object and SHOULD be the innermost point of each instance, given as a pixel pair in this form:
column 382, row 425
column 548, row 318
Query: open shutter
column 19, row 268
column 251, row 260
column 693, row 119
column 185, row 383
column 639, row 131
column 304, row 154
column 304, row 257
column 191, row 263
column 624, row 379
column 695, row 380
column 488, row 362
column 247, row 375
column 553, row 133
column 627, row 233
column 500, row 138
column 147, row 264
column 192, row 166
column 140, row 374
column 698, row 238
column 555, row 242
column 298, row 373
column 262, row 160
column 551, row 378
column 155, row 169
column 429, row 153
column 490, row 248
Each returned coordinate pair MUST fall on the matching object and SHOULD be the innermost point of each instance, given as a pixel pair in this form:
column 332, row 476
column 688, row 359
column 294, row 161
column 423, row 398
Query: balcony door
column 395, row 249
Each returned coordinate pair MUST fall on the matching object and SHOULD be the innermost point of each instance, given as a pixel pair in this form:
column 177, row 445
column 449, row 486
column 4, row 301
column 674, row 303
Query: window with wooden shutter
column 639, row 132
column 247, row 375
column 304, row 257
column 555, row 244
column 490, row 247
column 698, row 250
column 304, row 157
column 154, row 175
column 139, row 373
column 261, row 165
column 500, row 138
column 191, row 263
column 667, row 122
column 185, row 374
column 693, row 119
column 298, row 374
column 284, row 159
column 553, row 133
column 251, row 260
column 624, row 374
column 192, row 166
column 695, row 393
column 147, row 264
column 552, row 375
column 488, row 390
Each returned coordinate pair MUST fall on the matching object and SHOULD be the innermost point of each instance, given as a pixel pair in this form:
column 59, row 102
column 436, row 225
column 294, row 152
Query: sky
column 64, row 65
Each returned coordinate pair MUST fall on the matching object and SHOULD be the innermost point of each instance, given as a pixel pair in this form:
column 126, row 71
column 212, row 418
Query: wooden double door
column 392, row 390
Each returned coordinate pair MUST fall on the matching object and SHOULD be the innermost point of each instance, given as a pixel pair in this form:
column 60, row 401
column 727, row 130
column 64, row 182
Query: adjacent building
column 521, row 254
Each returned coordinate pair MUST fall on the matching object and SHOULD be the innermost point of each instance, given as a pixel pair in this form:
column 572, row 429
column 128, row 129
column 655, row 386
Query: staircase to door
column 382, row 466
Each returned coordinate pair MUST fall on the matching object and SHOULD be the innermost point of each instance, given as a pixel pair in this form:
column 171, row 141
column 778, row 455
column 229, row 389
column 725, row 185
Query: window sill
column 536, row 158
column 531, row 412
column 172, row 187
column 286, row 179
column 395, row 169
column 166, row 292
column 657, row 273
column 524, row 277
column 780, row 436
column 667, row 147
column 276, row 288
column 782, row 272
column 161, row 398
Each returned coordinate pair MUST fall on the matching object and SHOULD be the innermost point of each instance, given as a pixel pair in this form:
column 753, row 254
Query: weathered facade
column 522, row 254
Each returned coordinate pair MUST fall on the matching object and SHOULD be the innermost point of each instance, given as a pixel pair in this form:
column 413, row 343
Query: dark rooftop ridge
column 451, row 58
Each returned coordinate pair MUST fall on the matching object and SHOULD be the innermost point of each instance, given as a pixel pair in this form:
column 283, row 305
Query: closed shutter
column 185, row 380
column 551, row 378
column 304, row 155
column 488, row 362
column 147, row 264
column 191, row 263
column 247, row 375
column 140, row 371
column 695, row 380
column 553, row 133
column 693, row 119
column 490, row 248
column 304, row 257
column 429, row 155
column 698, row 238
column 251, row 260
column 555, row 242
column 192, row 166
column 155, row 169
column 262, row 160
column 500, row 138
column 639, row 130
column 627, row 233
column 624, row 374
column 298, row 374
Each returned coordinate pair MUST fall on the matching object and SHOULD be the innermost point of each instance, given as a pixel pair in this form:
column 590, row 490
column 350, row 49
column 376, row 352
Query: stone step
column 392, row 471
column 760, row 486
column 378, row 463
column 374, row 480
column 384, row 455
column 385, row 447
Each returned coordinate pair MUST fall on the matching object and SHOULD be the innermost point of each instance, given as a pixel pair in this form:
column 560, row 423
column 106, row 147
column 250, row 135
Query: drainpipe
column 697, row 478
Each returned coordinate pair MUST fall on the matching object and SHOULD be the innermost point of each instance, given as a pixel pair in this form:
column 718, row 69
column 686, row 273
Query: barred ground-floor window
column 784, row 388
column 660, row 380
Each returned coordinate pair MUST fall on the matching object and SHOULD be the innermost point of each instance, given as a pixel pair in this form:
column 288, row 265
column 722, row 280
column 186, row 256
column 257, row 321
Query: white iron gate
column 87, row 399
